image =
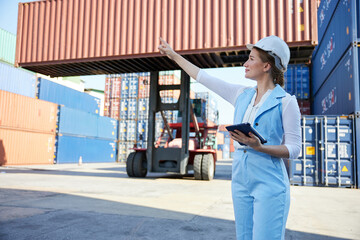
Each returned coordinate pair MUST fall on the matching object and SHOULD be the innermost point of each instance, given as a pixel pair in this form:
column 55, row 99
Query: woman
column 260, row 186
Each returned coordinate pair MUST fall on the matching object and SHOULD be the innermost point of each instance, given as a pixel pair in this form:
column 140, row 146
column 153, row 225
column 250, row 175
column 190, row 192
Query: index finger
column 162, row 40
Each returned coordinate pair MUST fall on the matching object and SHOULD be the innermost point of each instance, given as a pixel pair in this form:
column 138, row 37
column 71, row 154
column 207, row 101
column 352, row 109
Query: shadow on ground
column 50, row 215
column 223, row 172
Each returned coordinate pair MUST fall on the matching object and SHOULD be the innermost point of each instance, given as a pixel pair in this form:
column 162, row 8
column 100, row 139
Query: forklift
column 183, row 146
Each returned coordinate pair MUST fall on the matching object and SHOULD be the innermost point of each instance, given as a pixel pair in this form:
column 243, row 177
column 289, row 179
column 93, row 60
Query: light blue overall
column 260, row 186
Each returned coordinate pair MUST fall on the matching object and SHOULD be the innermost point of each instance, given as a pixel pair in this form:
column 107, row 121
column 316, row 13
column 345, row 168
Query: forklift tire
column 140, row 164
column 208, row 168
column 129, row 164
column 197, row 166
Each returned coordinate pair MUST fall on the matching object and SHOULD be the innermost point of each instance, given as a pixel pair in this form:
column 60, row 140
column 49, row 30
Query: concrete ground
column 99, row 201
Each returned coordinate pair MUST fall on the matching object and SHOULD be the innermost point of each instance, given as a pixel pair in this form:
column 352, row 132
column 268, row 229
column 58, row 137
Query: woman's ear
column 267, row 67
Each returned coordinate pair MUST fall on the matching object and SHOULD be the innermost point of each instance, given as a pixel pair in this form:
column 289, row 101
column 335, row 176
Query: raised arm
column 187, row 66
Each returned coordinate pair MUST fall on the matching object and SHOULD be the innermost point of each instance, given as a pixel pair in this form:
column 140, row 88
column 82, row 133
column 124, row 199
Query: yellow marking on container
column 112, row 155
column 344, row 169
column 301, row 27
column 347, row 30
column 301, row 9
column 349, row 96
column 97, row 111
column 112, row 133
column 310, row 150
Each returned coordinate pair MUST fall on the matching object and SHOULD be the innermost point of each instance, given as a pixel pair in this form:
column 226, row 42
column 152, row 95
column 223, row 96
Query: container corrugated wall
column 21, row 112
column 339, row 35
column 79, row 123
column 7, row 46
column 69, row 31
column 27, row 130
column 56, row 93
column 17, row 80
column 71, row 148
column 340, row 93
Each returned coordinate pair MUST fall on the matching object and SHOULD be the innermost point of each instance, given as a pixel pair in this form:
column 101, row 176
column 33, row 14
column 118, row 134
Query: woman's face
column 254, row 66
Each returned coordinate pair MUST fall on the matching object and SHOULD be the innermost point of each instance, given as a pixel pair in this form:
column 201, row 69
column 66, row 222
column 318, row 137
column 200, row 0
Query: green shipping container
column 7, row 46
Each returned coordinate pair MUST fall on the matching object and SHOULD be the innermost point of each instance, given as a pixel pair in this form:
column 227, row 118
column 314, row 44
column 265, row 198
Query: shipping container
column 325, row 13
column 304, row 106
column 56, row 93
column 25, row 113
column 142, row 130
column 125, row 148
column 297, row 81
column 144, row 85
column 131, row 130
column 143, row 108
column 7, row 46
column 328, row 154
column 340, row 93
column 132, row 108
column 24, row 147
column 79, row 123
column 69, row 149
column 133, row 86
column 17, row 80
column 125, row 84
column 122, row 130
column 73, row 38
column 340, row 34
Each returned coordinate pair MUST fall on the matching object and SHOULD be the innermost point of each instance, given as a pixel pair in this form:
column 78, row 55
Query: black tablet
column 245, row 128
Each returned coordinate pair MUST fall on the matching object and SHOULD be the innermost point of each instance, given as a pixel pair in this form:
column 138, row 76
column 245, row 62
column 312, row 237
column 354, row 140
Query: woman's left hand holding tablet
column 252, row 141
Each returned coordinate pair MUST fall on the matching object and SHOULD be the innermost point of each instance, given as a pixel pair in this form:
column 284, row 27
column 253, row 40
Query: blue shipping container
column 122, row 130
column 297, row 81
column 91, row 150
column 143, row 108
column 125, row 87
column 340, row 93
column 124, row 108
column 142, row 130
column 327, row 157
column 133, row 86
column 338, row 164
column 56, row 93
column 337, row 39
column 325, row 12
column 80, row 123
column 305, row 169
column 17, row 80
column 132, row 108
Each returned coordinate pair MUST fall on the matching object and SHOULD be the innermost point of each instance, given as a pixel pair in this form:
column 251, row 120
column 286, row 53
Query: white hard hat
column 277, row 48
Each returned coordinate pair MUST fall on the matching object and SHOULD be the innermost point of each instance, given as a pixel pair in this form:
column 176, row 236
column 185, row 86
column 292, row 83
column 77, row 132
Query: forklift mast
column 168, row 159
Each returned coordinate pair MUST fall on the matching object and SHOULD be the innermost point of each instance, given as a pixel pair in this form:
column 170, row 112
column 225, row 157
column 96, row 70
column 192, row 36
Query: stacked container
column 225, row 145
column 209, row 111
column 27, row 130
column 328, row 154
column 85, row 137
column 297, row 83
column 8, row 46
column 15, row 80
column 335, row 62
column 56, row 93
column 127, row 99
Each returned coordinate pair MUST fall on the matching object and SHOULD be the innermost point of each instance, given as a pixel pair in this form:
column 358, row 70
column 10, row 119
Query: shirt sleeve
column 291, row 124
column 226, row 90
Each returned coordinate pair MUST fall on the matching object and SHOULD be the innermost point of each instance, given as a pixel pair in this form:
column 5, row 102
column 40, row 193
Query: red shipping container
column 21, row 112
column 19, row 147
column 144, row 86
column 73, row 37
column 305, row 106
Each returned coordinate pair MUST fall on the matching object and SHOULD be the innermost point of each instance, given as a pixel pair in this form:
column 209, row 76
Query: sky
column 8, row 21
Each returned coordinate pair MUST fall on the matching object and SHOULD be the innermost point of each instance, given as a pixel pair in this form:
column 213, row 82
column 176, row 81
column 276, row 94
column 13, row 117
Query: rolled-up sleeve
column 292, row 129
